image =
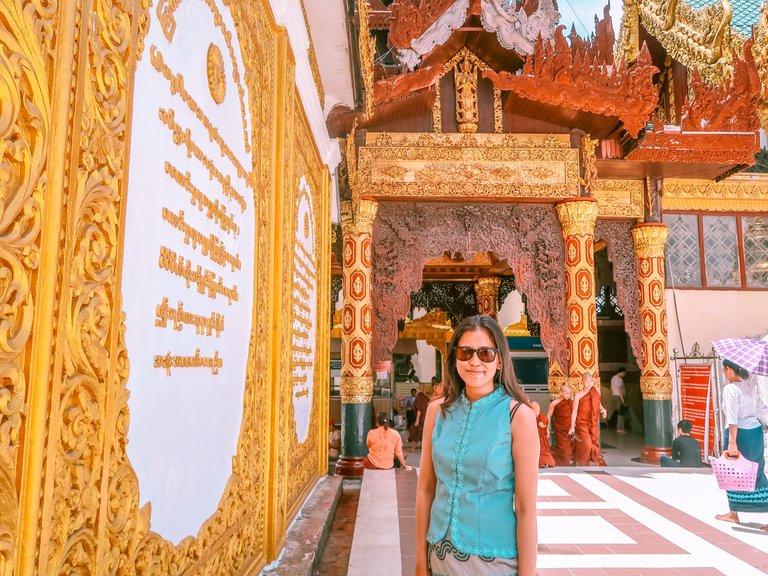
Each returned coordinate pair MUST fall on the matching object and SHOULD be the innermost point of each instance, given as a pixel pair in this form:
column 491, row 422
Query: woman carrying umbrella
column 744, row 434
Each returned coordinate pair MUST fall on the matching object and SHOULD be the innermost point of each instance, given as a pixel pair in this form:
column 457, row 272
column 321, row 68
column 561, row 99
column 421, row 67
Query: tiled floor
column 592, row 522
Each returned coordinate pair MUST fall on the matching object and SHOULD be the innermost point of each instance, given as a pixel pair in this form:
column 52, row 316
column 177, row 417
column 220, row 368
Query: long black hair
column 738, row 370
column 453, row 385
column 383, row 420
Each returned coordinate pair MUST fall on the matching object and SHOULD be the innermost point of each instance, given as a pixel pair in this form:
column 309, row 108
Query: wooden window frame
column 742, row 259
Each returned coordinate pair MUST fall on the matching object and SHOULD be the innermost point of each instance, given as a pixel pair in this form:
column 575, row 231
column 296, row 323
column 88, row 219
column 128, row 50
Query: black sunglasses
column 485, row 353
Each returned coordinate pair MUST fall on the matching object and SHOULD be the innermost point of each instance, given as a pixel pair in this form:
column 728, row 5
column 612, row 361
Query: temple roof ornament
column 698, row 38
column 418, row 26
column 727, row 107
column 572, row 76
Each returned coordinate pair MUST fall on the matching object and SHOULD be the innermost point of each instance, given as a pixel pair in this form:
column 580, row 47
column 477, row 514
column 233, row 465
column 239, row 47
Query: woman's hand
column 421, row 567
column 571, row 430
column 409, row 467
column 733, row 449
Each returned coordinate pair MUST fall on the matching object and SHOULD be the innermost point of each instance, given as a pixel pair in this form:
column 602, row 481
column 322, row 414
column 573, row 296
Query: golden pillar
column 578, row 217
column 655, row 381
column 487, row 295
column 357, row 218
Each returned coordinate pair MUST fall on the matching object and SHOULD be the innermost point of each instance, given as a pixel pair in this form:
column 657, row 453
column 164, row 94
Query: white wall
column 707, row 315
column 511, row 309
column 185, row 421
column 424, row 361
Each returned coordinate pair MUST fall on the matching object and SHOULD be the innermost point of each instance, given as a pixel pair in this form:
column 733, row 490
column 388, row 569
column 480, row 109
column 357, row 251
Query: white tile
column 549, row 488
column 579, row 530
column 376, row 541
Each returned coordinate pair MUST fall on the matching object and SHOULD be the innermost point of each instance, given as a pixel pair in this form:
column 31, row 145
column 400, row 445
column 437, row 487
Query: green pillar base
column 356, row 420
column 658, row 430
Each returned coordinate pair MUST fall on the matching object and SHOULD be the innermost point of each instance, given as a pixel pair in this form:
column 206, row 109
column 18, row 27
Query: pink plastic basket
column 735, row 472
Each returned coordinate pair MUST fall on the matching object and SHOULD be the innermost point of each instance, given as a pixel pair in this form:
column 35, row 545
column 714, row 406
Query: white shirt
column 617, row 386
column 740, row 405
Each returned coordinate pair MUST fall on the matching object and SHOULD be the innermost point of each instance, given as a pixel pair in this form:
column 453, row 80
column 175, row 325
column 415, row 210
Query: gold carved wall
column 619, row 198
column 464, row 166
column 69, row 497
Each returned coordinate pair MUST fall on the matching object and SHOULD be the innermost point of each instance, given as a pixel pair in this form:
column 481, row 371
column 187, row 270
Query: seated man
column 334, row 441
column 686, row 450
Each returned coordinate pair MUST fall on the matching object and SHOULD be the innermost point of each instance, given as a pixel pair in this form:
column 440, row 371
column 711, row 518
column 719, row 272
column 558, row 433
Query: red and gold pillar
column 578, row 217
column 556, row 378
column 655, row 381
column 357, row 218
column 487, row 296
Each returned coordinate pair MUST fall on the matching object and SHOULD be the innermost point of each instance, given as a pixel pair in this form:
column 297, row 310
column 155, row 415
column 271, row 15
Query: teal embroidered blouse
column 475, row 491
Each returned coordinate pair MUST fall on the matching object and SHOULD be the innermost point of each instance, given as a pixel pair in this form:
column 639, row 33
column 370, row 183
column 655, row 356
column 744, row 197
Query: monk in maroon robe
column 585, row 423
column 542, row 424
column 559, row 414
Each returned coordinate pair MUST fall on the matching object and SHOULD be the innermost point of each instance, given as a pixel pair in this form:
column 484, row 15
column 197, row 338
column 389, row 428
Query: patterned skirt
column 446, row 560
column 751, row 445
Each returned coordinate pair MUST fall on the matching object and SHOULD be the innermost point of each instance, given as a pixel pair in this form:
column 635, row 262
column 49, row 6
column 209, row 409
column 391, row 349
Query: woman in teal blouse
column 476, row 499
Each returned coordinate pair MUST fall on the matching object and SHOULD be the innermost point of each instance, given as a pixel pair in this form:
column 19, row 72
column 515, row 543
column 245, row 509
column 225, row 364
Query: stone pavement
column 592, row 522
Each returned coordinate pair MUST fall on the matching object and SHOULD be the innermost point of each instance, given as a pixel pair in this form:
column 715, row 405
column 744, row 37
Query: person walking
column 743, row 434
column 384, row 444
column 559, row 414
column 410, row 412
column 585, row 423
column 618, row 419
column 420, row 403
column 476, row 496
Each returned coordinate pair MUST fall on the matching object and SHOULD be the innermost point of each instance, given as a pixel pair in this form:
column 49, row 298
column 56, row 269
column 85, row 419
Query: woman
column 476, row 498
column 437, row 390
column 585, row 423
column 559, row 414
column 383, row 445
column 743, row 434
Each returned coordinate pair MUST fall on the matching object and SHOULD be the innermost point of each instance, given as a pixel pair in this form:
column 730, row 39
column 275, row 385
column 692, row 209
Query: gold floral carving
column 650, row 241
column 302, row 458
column 465, row 79
column 742, row 193
column 498, row 113
column 578, row 216
column 656, row 387
column 27, row 43
column 430, row 165
column 89, row 517
column 437, row 110
column 700, row 39
column 356, row 389
column 619, row 198
column 217, row 77
column 366, row 46
column 589, row 162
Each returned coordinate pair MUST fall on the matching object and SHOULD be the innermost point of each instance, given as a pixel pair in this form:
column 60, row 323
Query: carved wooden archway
column 617, row 235
column 528, row 236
